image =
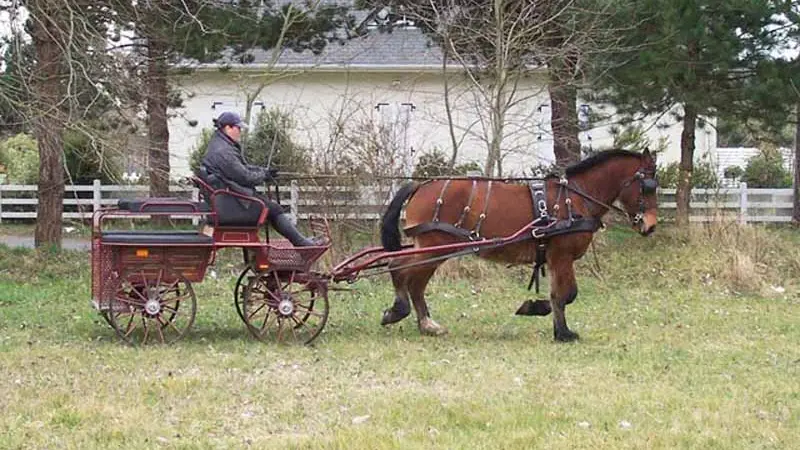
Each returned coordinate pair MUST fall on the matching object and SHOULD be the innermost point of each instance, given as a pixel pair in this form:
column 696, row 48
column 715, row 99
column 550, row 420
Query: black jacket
column 224, row 159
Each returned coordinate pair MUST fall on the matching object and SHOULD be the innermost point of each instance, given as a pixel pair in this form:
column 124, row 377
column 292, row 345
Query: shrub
column 471, row 166
column 733, row 172
column 432, row 164
column 20, row 156
column 436, row 164
column 85, row 159
column 766, row 170
column 703, row 175
column 199, row 150
column 88, row 159
column 272, row 136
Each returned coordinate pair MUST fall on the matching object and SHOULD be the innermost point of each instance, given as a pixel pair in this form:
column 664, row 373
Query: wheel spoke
column 146, row 329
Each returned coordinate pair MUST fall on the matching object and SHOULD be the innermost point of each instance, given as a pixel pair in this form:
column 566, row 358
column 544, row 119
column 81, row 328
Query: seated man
column 224, row 159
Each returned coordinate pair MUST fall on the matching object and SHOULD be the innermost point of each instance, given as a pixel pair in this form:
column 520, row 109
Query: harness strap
column 469, row 204
column 539, row 198
column 477, row 231
column 440, row 201
column 559, row 227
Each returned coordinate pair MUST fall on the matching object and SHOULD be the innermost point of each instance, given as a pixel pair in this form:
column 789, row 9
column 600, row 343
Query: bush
column 273, row 131
column 87, row 159
column 436, row 164
column 471, row 166
column 199, row 150
column 703, row 175
column 20, row 156
column 733, row 172
column 432, row 164
column 766, row 170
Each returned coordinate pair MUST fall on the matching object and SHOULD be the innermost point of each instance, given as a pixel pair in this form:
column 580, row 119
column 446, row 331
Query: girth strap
column 575, row 225
column 437, row 226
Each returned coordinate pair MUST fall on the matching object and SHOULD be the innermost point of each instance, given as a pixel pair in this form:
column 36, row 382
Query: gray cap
column 230, row 118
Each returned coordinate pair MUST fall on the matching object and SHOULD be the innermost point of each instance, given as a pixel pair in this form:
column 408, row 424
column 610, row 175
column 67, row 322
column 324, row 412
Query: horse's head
column 638, row 195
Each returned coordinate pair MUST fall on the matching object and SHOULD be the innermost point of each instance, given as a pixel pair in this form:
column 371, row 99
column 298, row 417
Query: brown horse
column 561, row 214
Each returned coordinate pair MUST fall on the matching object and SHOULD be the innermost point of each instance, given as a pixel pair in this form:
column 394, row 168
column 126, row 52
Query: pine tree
column 690, row 54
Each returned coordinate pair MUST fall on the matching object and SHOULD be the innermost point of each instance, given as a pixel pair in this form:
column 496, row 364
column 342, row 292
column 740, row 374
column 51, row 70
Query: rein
column 574, row 188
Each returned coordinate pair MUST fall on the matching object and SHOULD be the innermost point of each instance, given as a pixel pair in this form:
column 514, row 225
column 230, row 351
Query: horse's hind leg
column 416, row 289
column 401, row 307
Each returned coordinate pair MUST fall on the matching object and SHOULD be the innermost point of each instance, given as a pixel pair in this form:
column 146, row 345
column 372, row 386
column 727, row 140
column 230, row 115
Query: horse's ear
column 647, row 156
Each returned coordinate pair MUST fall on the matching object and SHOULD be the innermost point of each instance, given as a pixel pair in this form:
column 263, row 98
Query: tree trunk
column 449, row 109
column 498, row 124
column 48, row 123
column 564, row 113
column 498, row 105
column 796, row 197
column 684, row 191
column 157, row 127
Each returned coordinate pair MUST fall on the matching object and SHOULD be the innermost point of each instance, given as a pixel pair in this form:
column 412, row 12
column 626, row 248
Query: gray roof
column 404, row 48
column 401, row 47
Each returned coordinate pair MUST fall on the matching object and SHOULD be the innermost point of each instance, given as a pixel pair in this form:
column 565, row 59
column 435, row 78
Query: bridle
column 647, row 185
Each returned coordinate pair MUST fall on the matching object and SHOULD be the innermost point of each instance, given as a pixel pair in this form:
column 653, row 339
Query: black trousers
column 274, row 208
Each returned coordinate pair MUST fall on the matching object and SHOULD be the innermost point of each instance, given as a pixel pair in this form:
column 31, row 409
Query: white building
column 390, row 79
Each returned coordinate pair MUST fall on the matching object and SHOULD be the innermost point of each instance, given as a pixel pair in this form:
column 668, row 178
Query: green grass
column 677, row 350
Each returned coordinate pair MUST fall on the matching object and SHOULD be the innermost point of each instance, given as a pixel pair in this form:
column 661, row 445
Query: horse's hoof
column 534, row 308
column 391, row 316
column 429, row 327
column 566, row 336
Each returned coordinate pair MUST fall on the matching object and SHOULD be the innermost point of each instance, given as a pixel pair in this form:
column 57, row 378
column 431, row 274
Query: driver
column 224, row 159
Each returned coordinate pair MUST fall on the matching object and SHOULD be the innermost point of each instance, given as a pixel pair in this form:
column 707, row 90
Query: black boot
column 284, row 226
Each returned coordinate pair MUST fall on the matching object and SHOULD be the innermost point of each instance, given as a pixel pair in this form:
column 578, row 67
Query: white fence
column 367, row 202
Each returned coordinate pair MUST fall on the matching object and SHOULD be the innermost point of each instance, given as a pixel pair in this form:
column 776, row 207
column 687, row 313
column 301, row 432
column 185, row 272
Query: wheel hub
column 152, row 307
column 286, row 307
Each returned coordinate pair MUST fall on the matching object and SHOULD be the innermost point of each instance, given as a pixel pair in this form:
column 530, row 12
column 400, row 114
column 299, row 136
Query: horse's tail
column 390, row 222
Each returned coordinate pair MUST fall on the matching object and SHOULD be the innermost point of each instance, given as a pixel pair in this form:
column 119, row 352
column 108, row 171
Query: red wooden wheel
column 238, row 291
column 152, row 305
column 288, row 305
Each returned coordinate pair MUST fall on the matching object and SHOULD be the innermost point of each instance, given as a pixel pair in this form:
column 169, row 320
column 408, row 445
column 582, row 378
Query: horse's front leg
column 564, row 290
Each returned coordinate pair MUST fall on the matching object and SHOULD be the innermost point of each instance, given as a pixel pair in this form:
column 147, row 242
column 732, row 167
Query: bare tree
column 498, row 43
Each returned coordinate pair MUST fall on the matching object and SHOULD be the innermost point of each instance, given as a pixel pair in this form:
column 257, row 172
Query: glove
column 270, row 174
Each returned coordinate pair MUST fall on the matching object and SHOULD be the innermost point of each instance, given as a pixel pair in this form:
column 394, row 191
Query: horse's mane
column 598, row 158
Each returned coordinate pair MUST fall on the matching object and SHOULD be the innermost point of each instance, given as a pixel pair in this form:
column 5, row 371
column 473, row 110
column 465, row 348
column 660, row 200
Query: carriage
column 147, row 277
column 142, row 281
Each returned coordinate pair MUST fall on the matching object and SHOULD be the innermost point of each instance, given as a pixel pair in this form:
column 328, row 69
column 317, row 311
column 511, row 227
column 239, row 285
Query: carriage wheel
column 146, row 308
column 276, row 304
column 238, row 291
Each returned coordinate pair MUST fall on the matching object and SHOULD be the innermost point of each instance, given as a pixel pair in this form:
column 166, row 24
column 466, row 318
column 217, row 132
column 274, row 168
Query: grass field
column 688, row 340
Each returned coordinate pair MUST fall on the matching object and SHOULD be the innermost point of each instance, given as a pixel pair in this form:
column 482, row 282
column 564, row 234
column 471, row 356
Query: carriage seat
column 232, row 206
column 156, row 238
column 162, row 205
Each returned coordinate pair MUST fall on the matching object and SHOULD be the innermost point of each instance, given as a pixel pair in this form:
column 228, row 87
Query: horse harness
column 544, row 225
